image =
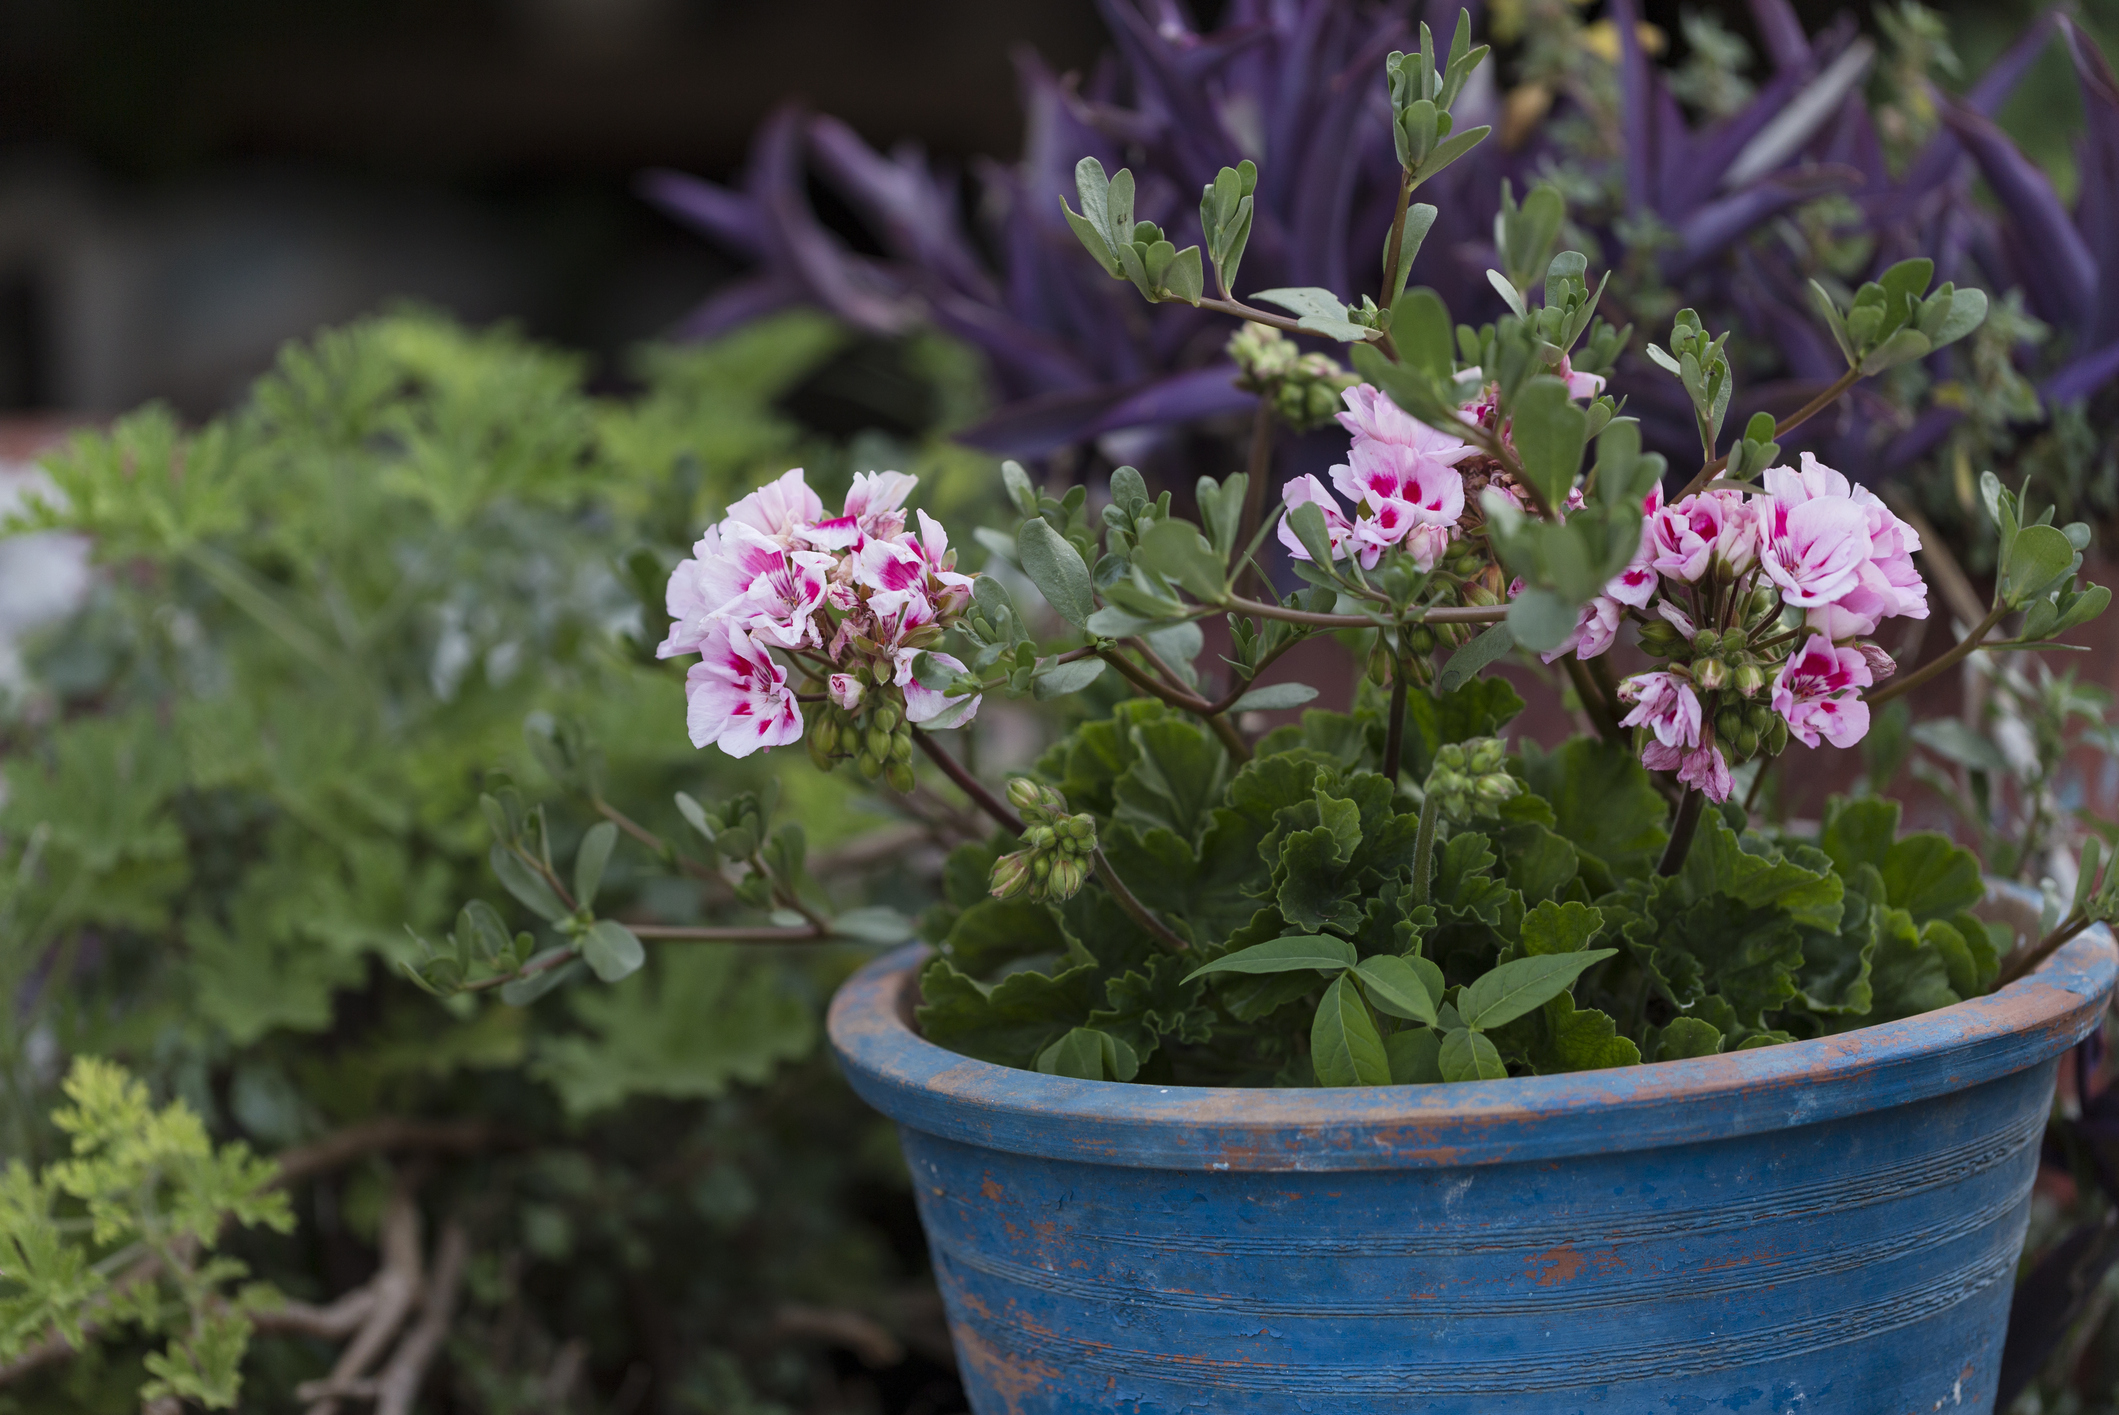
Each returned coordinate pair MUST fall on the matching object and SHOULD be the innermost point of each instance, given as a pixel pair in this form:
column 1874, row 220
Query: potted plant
column 1373, row 1061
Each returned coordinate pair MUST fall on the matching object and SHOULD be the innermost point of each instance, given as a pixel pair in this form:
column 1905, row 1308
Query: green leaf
column 1021, row 490
column 611, row 950
column 1345, row 1048
column 1967, row 311
column 1603, row 804
column 589, row 860
column 524, row 991
column 1415, row 1055
column 2040, row 559
column 872, row 924
column 1419, row 220
column 1472, row 660
column 1318, row 311
column 1931, row 878
column 1550, row 433
column 526, row 884
column 1088, row 1054
column 1466, row 1055
column 1572, row 1040
column 1686, row 1037
column 1276, row 697
column 1424, row 333
column 1063, row 679
column 1560, row 928
column 1509, row 991
column 1903, row 346
column 1012, row 1021
column 1178, row 552
column 991, row 933
column 1395, row 987
column 1320, row 952
column 1951, row 738
column 1056, row 568
column 1911, row 976
column 1540, row 620
column 1307, row 521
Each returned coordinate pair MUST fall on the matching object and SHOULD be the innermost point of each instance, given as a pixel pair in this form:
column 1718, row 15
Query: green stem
column 1681, row 832
column 1253, row 314
column 1595, row 702
column 2046, row 948
column 1156, row 928
column 1394, row 738
column 1786, row 425
column 1442, row 614
column 1907, row 682
column 1424, row 849
column 970, row 785
column 687, row 933
column 1259, row 471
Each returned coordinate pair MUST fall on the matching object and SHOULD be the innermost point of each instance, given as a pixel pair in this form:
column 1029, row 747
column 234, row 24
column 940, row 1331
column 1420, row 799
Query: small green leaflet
column 1395, row 987
column 1468, row 1056
column 1285, row 955
column 1345, row 1048
column 1513, row 989
column 1319, row 311
column 611, row 950
column 1274, row 697
column 1056, row 568
column 1088, row 1054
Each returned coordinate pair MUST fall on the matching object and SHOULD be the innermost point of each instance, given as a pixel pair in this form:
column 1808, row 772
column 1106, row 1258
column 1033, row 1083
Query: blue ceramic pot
column 1822, row 1226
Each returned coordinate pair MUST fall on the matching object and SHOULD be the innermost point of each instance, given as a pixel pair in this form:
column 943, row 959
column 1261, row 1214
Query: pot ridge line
column 1494, row 1374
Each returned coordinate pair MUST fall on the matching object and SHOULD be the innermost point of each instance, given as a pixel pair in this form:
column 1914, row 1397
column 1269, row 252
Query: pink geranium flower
column 1595, row 629
column 936, row 711
column 1664, row 704
column 736, row 572
column 780, row 509
column 1712, row 529
column 1703, row 768
column 1336, row 528
column 872, row 510
column 1372, row 416
column 1818, row 692
column 1814, row 549
column 736, row 695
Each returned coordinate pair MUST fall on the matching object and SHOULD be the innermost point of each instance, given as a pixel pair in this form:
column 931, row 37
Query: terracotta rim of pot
column 919, row 1084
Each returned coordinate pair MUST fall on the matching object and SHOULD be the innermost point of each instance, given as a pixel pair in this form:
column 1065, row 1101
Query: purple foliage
column 1297, row 86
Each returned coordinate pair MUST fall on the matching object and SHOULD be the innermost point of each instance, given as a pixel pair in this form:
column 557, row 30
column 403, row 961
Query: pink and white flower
column 1596, row 628
column 1813, row 542
column 736, row 695
column 925, row 707
column 846, row 691
column 1371, row 416
column 872, row 510
column 1664, row 704
column 780, row 510
column 1713, row 530
column 1704, row 768
column 1818, row 691
column 1336, row 528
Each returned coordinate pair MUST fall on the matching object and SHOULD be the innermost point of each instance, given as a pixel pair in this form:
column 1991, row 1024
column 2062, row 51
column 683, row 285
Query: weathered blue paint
column 1827, row 1226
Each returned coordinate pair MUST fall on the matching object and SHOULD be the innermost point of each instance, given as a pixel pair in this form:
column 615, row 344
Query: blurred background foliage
column 247, row 755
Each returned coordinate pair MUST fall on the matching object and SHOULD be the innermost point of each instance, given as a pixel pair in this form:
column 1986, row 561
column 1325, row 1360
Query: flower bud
column 847, row 692
column 887, row 717
column 1487, row 754
column 1734, row 642
column 1038, row 837
column 1022, row 793
column 1660, row 639
column 1881, row 664
column 1011, row 876
column 1420, row 639
column 1379, row 665
column 1710, row 673
column 1765, row 600
column 870, row 765
column 1450, row 757
column 824, row 734
column 1705, row 642
column 899, row 775
column 901, row 745
column 878, row 743
column 1480, row 594
column 819, row 754
column 1040, row 866
column 1747, row 741
column 1496, row 787
column 1727, row 723
column 1776, row 735
column 1750, row 678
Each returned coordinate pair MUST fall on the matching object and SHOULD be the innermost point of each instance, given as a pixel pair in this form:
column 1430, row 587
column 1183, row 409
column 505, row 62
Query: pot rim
column 928, row 1088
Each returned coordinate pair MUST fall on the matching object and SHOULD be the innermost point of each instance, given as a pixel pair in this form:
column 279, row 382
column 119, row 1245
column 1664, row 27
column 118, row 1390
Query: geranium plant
column 1389, row 892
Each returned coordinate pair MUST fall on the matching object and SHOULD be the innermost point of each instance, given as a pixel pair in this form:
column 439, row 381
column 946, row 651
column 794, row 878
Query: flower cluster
column 851, row 603
column 1303, row 389
column 1472, row 778
column 1750, row 592
column 1057, row 850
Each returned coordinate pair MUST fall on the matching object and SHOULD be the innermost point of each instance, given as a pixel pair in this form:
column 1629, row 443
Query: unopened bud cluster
column 1471, row 778
column 1304, row 389
column 873, row 733
column 1054, row 862
column 1730, row 675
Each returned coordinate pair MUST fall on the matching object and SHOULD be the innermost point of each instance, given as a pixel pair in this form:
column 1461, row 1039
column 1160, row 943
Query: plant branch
column 1440, row 614
column 1394, row 735
column 1157, row 929
column 1424, row 849
column 2045, row 948
column 1786, row 425
column 1244, row 685
column 1253, row 314
column 970, row 785
column 1907, row 682
column 1681, row 832
column 1595, row 703
column 1258, row 470
column 688, row 933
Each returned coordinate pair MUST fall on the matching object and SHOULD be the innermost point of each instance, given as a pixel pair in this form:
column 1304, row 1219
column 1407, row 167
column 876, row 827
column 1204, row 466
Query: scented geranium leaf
column 1721, row 863
column 1415, row 1056
column 1464, row 881
column 1512, row 989
column 993, row 932
column 1859, row 832
column 1388, row 834
column 1686, row 1037
column 1559, row 928
column 1089, row 1054
column 1466, row 1055
column 1538, row 861
column 1096, row 927
column 1313, row 952
column 1395, row 987
column 1333, row 736
column 1208, row 892
column 1747, row 954
column 1604, row 804
column 1008, row 1022
column 1159, row 1000
column 1481, row 708
column 1088, row 761
column 1911, row 975
column 1968, row 955
column 1930, row 878
column 1345, row 1047
column 967, row 874
column 1986, row 944
column 1834, row 977
column 1392, row 923
column 1176, row 778
column 1558, row 1037
column 1673, row 971
column 1315, row 889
